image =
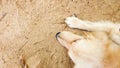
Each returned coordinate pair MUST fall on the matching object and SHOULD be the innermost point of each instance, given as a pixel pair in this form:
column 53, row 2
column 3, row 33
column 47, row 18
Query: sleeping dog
column 99, row 49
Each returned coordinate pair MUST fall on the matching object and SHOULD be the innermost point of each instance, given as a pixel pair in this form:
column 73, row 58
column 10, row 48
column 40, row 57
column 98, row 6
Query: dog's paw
column 73, row 22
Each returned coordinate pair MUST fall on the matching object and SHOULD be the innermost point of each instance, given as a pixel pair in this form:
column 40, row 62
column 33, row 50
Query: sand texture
column 28, row 28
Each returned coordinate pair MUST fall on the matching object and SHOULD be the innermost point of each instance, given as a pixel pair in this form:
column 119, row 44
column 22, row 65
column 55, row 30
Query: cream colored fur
column 99, row 49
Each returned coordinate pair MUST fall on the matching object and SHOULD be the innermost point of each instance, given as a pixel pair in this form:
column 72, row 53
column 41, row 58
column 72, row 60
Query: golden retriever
column 99, row 49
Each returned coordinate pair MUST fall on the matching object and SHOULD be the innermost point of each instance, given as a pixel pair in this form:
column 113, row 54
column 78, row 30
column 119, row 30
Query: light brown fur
column 99, row 48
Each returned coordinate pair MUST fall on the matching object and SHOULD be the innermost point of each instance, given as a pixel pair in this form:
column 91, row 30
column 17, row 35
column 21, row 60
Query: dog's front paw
column 72, row 22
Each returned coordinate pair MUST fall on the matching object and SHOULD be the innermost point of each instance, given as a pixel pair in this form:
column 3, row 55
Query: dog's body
column 100, row 50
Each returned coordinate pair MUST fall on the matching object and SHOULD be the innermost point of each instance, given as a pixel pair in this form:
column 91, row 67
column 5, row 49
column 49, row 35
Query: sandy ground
column 28, row 27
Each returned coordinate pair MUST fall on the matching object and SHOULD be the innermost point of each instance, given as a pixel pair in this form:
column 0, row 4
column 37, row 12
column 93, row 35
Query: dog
column 99, row 49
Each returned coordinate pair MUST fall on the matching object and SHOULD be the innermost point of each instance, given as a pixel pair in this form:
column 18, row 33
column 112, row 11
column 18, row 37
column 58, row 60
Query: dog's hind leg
column 74, row 22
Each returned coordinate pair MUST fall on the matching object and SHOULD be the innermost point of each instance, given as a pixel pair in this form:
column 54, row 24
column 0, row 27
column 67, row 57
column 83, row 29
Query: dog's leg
column 74, row 22
column 104, row 26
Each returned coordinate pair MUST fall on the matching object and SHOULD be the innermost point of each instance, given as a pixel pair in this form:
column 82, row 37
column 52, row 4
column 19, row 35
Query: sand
column 28, row 28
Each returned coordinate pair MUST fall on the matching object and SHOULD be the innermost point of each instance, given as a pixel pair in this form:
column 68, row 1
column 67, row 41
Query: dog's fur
column 101, row 49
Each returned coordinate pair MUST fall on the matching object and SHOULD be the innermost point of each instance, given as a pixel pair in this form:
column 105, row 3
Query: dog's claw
column 57, row 34
column 74, row 15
